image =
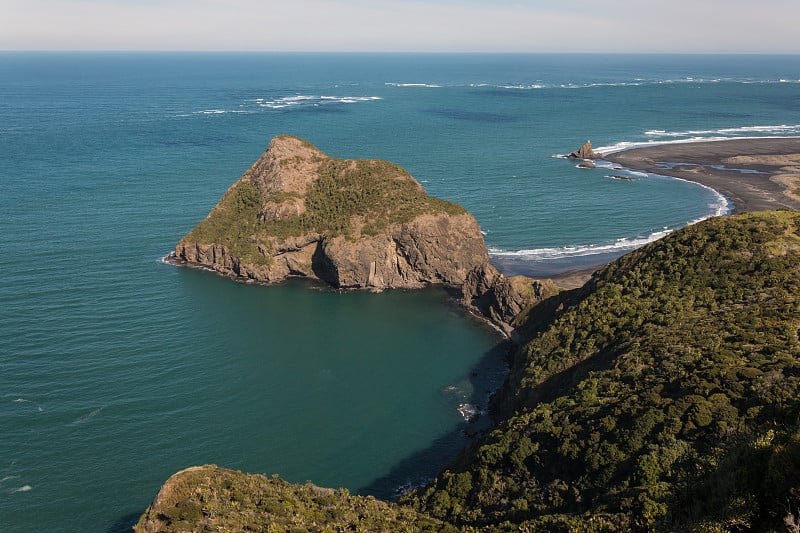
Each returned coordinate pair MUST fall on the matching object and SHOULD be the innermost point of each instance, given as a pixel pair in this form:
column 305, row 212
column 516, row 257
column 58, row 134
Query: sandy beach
column 756, row 174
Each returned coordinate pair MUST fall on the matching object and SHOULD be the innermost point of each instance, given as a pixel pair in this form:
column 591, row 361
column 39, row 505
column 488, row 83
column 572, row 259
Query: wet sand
column 756, row 174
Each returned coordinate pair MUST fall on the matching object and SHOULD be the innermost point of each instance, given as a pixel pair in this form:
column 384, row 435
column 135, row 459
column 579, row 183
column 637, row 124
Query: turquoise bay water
column 117, row 370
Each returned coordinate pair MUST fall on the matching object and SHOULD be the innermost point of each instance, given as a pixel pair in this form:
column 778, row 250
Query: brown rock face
column 502, row 298
column 352, row 224
column 584, row 152
column 429, row 249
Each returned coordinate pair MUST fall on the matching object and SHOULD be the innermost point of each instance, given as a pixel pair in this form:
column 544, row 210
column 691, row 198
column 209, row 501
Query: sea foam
column 580, row 250
column 718, row 207
column 284, row 103
column 782, row 129
column 422, row 85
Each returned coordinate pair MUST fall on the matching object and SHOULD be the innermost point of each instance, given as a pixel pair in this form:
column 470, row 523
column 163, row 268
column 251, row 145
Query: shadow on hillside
column 124, row 524
column 418, row 469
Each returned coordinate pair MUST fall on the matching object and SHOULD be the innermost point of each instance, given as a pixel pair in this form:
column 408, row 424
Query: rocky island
column 351, row 224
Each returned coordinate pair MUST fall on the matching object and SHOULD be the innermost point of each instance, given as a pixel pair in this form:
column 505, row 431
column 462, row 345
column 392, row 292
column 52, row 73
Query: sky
column 654, row 26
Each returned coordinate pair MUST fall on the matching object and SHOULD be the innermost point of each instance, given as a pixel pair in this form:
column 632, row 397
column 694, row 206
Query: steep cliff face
column 353, row 224
column 502, row 299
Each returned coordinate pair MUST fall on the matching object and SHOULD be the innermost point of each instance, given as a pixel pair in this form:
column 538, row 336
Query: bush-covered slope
column 345, row 197
column 209, row 498
column 635, row 404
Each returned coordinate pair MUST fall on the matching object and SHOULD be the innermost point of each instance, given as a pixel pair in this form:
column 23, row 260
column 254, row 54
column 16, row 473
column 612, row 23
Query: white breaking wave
column 312, row 101
column 627, row 145
column 468, row 411
column 24, row 488
column 523, row 87
column 213, row 112
column 564, row 252
column 636, row 82
column 720, row 206
column 659, row 137
column 424, row 85
column 298, row 101
column 782, row 129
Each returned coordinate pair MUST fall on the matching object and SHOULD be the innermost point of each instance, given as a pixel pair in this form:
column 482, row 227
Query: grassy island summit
column 663, row 395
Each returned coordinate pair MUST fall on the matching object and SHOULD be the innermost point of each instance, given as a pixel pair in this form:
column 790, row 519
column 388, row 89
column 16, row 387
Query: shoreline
column 752, row 174
column 756, row 173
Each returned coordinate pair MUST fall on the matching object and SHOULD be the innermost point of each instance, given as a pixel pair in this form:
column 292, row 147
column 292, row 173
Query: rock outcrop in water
column 584, row 152
column 352, row 224
column 502, row 299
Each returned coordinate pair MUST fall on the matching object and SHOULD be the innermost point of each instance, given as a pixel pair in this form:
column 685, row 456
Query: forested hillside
column 666, row 398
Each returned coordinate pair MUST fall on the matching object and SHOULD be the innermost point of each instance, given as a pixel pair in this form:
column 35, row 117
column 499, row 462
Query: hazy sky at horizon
column 675, row 26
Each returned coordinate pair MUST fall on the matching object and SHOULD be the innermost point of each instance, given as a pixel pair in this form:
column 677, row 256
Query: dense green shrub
column 631, row 398
column 348, row 197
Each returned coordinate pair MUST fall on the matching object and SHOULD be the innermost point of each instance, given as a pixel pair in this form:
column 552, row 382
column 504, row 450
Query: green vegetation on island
column 376, row 194
column 347, row 197
column 663, row 395
column 234, row 224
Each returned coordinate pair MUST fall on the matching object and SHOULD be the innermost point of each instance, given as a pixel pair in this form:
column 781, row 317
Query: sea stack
column 354, row 224
column 584, row 152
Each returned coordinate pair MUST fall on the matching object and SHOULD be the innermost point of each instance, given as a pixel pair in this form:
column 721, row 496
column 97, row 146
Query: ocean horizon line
column 396, row 52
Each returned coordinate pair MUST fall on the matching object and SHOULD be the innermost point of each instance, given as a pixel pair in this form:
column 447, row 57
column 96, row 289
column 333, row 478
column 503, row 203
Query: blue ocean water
column 117, row 370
